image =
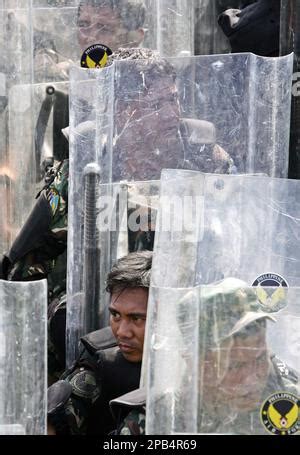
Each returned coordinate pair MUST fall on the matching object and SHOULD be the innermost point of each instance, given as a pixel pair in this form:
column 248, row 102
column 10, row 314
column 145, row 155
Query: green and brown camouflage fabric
column 48, row 259
column 134, row 423
column 43, row 261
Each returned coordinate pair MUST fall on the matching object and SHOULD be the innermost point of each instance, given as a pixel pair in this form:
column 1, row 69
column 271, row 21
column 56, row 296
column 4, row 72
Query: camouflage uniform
column 250, row 423
column 134, row 424
column 41, row 261
column 229, row 308
column 79, row 402
column 281, row 378
column 47, row 259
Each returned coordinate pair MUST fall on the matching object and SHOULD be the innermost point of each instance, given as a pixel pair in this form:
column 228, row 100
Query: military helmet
column 227, row 308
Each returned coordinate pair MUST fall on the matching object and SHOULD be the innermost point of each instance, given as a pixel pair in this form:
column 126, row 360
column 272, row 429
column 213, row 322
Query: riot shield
column 212, row 227
column 214, row 365
column 118, row 218
column 209, row 38
column 4, row 214
column 170, row 27
column 23, row 378
column 156, row 24
column 15, row 68
column 37, row 113
column 136, row 117
column 192, row 322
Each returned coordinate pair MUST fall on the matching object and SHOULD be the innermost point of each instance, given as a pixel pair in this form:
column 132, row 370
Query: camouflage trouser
column 56, row 337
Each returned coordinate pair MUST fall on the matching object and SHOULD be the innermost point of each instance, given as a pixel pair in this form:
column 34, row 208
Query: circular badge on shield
column 271, row 291
column 95, row 56
column 280, row 413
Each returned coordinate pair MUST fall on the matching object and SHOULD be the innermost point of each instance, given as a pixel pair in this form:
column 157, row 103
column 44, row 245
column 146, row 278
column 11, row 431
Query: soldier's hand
column 4, row 267
column 50, row 429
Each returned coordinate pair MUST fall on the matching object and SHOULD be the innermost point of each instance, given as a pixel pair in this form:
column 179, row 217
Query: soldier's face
column 236, row 374
column 104, row 25
column 128, row 311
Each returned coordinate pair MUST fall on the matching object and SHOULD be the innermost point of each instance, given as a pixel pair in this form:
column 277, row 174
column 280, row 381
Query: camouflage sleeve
column 85, row 392
column 57, row 196
column 134, row 423
column 41, row 260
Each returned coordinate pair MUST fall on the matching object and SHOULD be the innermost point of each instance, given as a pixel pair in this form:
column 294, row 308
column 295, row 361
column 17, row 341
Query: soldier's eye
column 114, row 314
column 138, row 318
column 83, row 24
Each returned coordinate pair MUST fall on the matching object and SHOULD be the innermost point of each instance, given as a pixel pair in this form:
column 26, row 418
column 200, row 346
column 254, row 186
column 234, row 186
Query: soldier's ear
column 136, row 37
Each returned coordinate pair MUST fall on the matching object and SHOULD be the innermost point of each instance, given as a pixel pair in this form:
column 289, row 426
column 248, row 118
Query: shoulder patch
column 53, row 199
column 84, row 385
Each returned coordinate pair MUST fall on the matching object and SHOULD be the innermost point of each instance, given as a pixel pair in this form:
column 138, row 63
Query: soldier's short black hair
column 131, row 271
column 132, row 14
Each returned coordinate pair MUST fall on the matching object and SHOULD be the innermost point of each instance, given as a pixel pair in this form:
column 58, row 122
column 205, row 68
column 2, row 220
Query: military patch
column 271, row 291
column 84, row 385
column 280, row 414
column 53, row 199
column 95, row 56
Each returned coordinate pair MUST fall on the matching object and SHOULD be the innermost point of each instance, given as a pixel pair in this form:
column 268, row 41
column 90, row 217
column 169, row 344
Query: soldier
column 39, row 251
column 115, row 23
column 111, row 358
column 238, row 373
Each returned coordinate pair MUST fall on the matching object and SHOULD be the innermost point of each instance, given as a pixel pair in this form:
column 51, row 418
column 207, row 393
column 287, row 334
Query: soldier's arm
column 129, row 412
column 134, row 423
column 70, row 402
column 44, row 235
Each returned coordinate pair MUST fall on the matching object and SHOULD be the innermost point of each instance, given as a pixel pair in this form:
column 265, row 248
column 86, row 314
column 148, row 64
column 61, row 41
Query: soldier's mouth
column 126, row 347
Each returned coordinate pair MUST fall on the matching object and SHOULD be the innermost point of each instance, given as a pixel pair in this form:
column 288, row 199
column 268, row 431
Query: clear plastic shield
column 37, row 113
column 170, row 27
column 214, row 365
column 136, row 117
column 118, row 219
column 167, row 26
column 23, row 354
column 212, row 227
column 135, row 111
column 15, row 68
column 209, row 38
column 4, row 213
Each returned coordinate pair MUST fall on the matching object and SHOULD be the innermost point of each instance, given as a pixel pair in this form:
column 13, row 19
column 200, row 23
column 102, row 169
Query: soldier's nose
column 123, row 331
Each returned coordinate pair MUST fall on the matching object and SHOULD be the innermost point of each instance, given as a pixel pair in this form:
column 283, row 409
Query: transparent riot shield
column 167, row 104
column 4, row 213
column 37, row 113
column 212, row 227
column 62, row 30
column 209, row 38
column 136, row 117
column 215, row 366
column 23, row 354
column 118, row 219
column 15, row 68
column 170, row 27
